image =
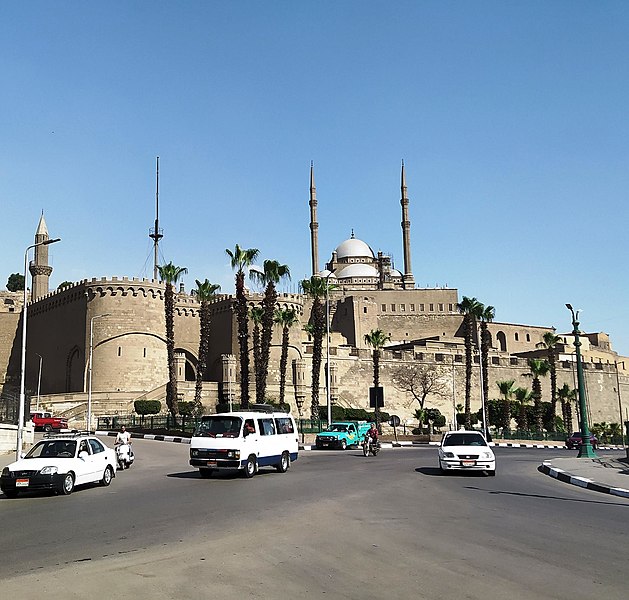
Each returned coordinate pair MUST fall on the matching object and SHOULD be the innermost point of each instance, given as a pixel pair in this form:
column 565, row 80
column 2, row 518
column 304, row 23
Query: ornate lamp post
column 327, row 337
column 585, row 450
column 20, row 423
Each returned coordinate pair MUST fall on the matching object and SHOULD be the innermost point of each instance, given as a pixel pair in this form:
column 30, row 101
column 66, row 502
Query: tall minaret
column 409, row 281
column 314, row 226
column 39, row 268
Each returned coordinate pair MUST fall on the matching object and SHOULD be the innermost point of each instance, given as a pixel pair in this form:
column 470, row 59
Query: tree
column 377, row 339
column 470, row 308
column 539, row 368
column 316, row 288
column 205, row 293
column 523, row 396
column 486, row 314
column 567, row 396
column 507, row 389
column 242, row 259
column 257, row 314
column 15, row 282
column 170, row 275
column 285, row 318
column 549, row 342
column 65, row 284
column 272, row 273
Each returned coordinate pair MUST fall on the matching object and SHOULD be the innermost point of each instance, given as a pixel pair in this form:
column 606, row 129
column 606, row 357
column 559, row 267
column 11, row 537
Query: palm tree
column 523, row 396
column 507, row 389
column 316, row 287
column 550, row 342
column 566, row 396
column 272, row 273
column 242, row 259
column 205, row 292
column 286, row 318
column 470, row 308
column 486, row 314
column 170, row 275
column 377, row 339
column 539, row 368
column 257, row 314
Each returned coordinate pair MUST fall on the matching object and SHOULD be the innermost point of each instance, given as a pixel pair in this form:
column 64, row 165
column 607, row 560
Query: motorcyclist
column 372, row 435
column 123, row 437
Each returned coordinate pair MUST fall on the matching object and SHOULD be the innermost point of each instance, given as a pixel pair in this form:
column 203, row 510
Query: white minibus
column 244, row 440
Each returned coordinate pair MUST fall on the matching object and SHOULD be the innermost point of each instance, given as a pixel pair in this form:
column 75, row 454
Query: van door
column 269, row 453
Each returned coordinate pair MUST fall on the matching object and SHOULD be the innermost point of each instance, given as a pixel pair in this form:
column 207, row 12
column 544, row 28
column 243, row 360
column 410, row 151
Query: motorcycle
column 125, row 456
column 370, row 447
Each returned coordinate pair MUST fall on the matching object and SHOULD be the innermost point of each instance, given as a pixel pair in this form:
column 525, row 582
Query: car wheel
column 107, row 476
column 251, row 467
column 48, row 428
column 67, row 486
column 343, row 445
column 284, row 462
column 11, row 493
column 205, row 473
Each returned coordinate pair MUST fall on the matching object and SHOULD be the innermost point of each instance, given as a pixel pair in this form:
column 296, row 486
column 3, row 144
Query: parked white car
column 466, row 451
column 60, row 462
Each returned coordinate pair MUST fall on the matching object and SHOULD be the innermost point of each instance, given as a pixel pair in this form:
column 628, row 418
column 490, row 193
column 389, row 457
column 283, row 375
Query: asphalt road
column 336, row 525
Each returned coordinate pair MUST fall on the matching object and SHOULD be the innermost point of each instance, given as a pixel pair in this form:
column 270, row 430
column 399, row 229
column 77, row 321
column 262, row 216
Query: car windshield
column 464, row 439
column 218, row 426
column 53, row 449
column 335, row 427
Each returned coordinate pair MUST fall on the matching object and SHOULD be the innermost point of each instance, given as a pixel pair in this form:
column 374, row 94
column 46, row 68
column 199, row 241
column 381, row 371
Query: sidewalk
column 606, row 474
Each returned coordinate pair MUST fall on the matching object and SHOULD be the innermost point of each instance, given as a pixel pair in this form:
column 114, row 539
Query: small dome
column 357, row 270
column 354, row 247
column 325, row 273
column 396, row 273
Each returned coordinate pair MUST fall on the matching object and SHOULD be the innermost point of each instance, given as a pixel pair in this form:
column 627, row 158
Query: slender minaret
column 314, row 226
column 39, row 268
column 155, row 233
column 409, row 281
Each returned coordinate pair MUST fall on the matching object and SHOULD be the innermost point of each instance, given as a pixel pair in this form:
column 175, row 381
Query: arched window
column 502, row 341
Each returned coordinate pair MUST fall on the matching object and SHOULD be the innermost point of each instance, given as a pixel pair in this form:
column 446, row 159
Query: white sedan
column 58, row 463
column 466, row 451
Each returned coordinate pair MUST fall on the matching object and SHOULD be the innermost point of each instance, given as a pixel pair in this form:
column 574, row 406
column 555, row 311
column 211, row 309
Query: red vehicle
column 44, row 420
column 574, row 441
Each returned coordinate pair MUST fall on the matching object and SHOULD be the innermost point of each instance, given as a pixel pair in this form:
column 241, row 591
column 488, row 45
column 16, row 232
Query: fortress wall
column 10, row 336
column 408, row 327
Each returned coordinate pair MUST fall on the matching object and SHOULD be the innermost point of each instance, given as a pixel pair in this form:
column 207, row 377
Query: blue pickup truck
column 342, row 434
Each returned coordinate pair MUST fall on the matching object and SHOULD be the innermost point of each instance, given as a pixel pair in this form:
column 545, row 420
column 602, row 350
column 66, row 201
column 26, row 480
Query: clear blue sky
column 511, row 118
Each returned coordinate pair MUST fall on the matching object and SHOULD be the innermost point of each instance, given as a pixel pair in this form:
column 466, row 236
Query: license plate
column 21, row 483
column 468, row 463
column 211, row 463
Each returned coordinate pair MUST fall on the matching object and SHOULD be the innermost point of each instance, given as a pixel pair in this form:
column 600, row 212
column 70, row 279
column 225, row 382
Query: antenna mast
column 155, row 233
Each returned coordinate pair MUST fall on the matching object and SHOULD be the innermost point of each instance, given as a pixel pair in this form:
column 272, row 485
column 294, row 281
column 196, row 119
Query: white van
column 244, row 440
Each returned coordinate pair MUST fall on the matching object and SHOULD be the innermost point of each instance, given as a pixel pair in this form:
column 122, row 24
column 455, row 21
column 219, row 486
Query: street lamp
column 38, row 380
column 327, row 338
column 89, row 385
column 20, row 423
column 585, row 450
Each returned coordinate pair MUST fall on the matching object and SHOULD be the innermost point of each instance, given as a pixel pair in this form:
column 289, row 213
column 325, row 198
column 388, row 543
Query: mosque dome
column 396, row 273
column 325, row 273
column 354, row 248
column 357, row 270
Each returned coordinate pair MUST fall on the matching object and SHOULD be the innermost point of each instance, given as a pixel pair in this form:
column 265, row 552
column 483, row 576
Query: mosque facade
column 122, row 321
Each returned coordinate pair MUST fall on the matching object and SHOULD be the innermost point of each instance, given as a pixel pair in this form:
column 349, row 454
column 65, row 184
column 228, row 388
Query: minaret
column 39, row 268
column 314, row 226
column 409, row 281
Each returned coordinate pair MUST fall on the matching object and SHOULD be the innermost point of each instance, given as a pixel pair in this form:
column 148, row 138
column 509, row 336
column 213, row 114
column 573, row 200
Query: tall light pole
column 622, row 425
column 38, row 380
column 20, row 423
column 89, row 385
column 327, row 338
column 585, row 450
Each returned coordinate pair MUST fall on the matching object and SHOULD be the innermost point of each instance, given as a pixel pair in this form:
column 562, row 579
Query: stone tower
column 39, row 268
column 314, row 226
column 409, row 281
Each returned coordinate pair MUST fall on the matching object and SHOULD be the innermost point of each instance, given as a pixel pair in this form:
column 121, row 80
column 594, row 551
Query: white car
column 58, row 463
column 466, row 451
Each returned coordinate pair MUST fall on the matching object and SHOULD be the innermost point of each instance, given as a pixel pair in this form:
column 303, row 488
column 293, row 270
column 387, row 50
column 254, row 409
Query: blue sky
column 511, row 118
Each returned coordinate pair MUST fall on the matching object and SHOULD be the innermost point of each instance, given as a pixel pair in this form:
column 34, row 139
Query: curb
column 589, row 484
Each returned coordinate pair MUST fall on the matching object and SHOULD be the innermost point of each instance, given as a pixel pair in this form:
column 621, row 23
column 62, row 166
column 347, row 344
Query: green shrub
column 186, row 409
column 147, row 407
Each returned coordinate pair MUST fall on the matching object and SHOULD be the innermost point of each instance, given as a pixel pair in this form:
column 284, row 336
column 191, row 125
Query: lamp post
column 327, row 338
column 89, row 385
column 38, row 380
column 585, row 450
column 622, row 429
column 20, row 423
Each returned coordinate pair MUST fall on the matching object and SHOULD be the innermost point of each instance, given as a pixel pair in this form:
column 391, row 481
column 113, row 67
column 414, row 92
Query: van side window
column 266, row 426
column 249, row 427
column 284, row 425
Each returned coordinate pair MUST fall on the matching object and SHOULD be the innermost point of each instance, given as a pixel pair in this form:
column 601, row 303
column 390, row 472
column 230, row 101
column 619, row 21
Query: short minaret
column 39, row 268
column 314, row 226
column 409, row 281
